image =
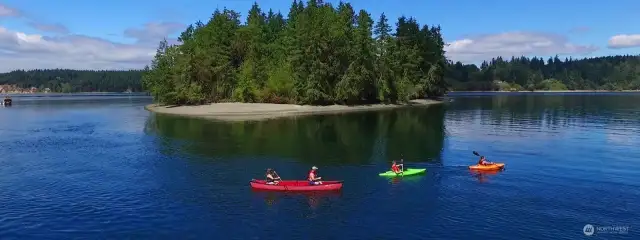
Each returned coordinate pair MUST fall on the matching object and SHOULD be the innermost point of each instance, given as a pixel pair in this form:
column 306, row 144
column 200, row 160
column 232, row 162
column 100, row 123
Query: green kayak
column 407, row 172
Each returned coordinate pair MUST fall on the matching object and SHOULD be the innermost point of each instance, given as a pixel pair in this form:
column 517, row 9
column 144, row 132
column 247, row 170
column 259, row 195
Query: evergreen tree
column 522, row 73
column 320, row 54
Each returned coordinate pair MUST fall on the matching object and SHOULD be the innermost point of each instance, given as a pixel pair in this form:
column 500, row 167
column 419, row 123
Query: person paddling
column 272, row 177
column 483, row 161
column 312, row 177
column 395, row 167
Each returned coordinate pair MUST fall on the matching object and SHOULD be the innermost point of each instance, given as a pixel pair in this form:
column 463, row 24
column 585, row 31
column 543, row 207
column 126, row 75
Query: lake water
column 102, row 167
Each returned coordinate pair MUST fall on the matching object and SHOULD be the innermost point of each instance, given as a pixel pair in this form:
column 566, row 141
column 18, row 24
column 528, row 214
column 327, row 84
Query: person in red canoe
column 272, row 177
column 313, row 177
column 395, row 167
column 483, row 161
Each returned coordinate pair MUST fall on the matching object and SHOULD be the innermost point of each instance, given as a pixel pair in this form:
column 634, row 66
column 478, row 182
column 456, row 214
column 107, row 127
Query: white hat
column 314, row 167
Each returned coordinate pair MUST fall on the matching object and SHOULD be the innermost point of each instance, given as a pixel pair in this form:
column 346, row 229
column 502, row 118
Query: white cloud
column 485, row 47
column 624, row 41
column 22, row 50
column 19, row 50
column 6, row 11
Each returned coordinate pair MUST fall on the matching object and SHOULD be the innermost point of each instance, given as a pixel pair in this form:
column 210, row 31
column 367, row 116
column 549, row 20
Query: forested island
column 319, row 54
column 612, row 73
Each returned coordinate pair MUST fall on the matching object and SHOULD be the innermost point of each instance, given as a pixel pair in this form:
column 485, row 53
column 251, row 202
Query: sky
column 119, row 34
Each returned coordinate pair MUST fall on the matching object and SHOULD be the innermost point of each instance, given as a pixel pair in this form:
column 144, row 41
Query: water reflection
column 356, row 138
column 312, row 200
column 536, row 117
column 484, row 176
column 548, row 111
column 405, row 179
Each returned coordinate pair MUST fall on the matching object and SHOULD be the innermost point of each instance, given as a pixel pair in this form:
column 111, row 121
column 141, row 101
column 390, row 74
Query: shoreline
column 72, row 93
column 233, row 112
column 549, row 91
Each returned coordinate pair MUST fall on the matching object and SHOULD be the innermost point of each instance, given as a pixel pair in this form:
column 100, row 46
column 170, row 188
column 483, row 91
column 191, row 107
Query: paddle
column 477, row 154
column 402, row 164
column 277, row 175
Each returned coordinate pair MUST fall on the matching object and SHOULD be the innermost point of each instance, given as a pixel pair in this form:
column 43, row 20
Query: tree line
column 522, row 73
column 601, row 73
column 318, row 54
column 67, row 80
column 323, row 54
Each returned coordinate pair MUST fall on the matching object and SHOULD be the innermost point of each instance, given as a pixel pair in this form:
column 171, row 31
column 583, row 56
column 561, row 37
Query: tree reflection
column 483, row 176
column 354, row 138
column 548, row 110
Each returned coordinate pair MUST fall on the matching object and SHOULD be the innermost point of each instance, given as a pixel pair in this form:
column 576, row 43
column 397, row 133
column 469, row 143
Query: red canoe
column 292, row 185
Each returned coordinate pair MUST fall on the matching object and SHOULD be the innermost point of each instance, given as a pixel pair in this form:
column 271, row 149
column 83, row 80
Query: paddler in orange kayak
column 312, row 177
column 483, row 161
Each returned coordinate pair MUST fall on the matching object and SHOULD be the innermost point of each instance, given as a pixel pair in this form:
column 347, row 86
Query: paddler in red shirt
column 395, row 167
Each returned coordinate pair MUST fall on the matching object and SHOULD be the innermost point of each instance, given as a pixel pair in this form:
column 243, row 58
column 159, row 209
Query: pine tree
column 320, row 54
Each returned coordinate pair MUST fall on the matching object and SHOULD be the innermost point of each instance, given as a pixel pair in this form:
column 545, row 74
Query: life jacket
column 395, row 167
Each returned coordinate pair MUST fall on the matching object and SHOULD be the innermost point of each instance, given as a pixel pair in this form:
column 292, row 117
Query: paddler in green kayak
column 396, row 167
column 312, row 177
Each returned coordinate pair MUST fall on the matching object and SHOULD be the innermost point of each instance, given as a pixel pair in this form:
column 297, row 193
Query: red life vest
column 395, row 168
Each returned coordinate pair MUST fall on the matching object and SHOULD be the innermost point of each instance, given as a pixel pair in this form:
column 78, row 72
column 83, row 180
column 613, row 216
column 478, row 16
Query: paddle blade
column 476, row 153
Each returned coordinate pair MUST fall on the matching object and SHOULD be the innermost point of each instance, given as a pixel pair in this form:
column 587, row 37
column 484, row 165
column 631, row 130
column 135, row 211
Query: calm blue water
column 102, row 167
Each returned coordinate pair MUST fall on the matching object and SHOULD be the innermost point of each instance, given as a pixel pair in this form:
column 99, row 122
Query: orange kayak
column 495, row 166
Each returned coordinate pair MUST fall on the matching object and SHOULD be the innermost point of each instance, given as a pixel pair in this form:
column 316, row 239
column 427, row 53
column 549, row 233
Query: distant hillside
column 66, row 80
column 600, row 73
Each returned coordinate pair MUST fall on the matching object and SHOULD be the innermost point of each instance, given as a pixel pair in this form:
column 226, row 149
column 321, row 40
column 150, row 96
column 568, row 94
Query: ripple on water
column 108, row 171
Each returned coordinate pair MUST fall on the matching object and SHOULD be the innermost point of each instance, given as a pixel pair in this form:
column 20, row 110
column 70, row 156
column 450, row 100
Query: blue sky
column 121, row 34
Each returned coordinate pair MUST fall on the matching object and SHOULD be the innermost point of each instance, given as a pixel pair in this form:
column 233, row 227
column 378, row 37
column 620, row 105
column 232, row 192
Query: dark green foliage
column 410, row 132
column 601, row 73
column 67, row 80
column 320, row 54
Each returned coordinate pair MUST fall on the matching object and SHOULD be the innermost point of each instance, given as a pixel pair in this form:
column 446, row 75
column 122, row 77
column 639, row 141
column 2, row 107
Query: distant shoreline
column 550, row 91
column 72, row 93
column 265, row 111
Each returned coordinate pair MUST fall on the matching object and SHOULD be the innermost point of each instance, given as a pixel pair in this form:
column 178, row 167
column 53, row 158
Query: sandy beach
column 263, row 111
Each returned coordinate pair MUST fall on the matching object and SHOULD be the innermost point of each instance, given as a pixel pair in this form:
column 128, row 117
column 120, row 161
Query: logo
column 615, row 229
column 588, row 230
